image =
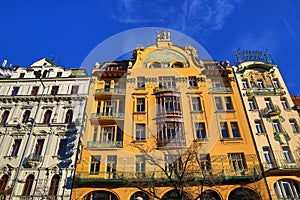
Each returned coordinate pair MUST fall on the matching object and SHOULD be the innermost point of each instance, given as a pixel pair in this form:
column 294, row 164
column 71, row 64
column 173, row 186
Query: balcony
column 165, row 89
column 272, row 110
column 110, row 91
column 104, row 145
column 264, row 92
column 33, row 160
column 107, row 116
column 220, row 90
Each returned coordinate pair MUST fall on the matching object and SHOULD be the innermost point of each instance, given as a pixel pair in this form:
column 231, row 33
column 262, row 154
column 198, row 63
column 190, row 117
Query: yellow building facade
column 166, row 125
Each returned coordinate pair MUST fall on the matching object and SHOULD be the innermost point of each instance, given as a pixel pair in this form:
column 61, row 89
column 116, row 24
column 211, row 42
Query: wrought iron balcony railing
column 220, row 90
column 272, row 110
column 107, row 116
column 265, row 92
column 110, row 91
column 165, row 89
column 104, row 145
column 33, row 160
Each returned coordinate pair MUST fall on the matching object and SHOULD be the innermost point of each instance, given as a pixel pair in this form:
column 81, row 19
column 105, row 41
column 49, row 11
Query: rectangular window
column 140, row 82
column 200, row 130
column 111, row 166
column 107, row 134
column 196, row 104
column 107, row 86
column 287, row 154
column 276, row 83
column 260, row 84
column 95, row 164
column 140, row 166
column 252, row 104
column 224, row 130
column 259, row 126
column 140, row 132
column 22, row 75
column 228, row 103
column 15, row 91
column 58, row 74
column 294, row 125
column 268, row 157
column 74, row 89
column 205, row 162
column 95, row 134
column 268, row 103
column 277, row 126
column 284, row 103
column 235, row 129
column 173, row 163
column 34, row 90
column 62, row 147
column 217, row 82
column 193, row 81
column 54, row 90
column 140, row 105
column 245, row 83
column 219, row 104
column 16, row 147
column 167, row 82
column 237, row 161
column 109, row 108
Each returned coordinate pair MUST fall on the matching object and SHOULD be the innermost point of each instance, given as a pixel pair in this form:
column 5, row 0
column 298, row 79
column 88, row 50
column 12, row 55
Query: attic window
column 155, row 65
column 22, row 75
column 113, row 68
column 177, row 65
column 58, row 74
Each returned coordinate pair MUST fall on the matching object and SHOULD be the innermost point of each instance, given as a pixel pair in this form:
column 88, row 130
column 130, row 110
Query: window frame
column 200, row 130
column 140, row 106
column 140, row 130
column 95, row 163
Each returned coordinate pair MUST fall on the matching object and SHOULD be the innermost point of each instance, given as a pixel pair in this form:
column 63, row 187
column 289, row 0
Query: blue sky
column 68, row 30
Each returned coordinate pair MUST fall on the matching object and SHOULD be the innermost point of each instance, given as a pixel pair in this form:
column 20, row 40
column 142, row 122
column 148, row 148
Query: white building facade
column 42, row 120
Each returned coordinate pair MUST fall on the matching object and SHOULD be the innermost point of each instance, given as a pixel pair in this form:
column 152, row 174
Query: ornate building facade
column 166, row 125
column 274, row 123
column 42, row 119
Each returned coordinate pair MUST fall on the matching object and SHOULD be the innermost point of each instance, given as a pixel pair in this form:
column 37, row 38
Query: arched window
column 287, row 189
column 54, row 185
column 242, row 193
column 100, row 194
column 26, row 116
column 3, row 182
column 47, row 116
column 28, row 185
column 69, row 116
column 4, row 117
column 173, row 194
column 139, row 195
column 209, row 194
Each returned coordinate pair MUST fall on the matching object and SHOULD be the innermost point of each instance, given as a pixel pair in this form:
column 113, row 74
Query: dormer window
column 155, row 65
column 177, row 65
column 59, row 74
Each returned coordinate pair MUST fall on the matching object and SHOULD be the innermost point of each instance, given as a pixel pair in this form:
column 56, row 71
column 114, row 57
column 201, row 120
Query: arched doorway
column 142, row 195
column 173, row 195
column 287, row 189
column 100, row 195
column 209, row 195
column 242, row 193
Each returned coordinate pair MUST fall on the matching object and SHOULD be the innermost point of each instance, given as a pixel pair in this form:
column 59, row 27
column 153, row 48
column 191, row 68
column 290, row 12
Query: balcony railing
column 110, row 91
column 165, row 89
column 265, row 92
column 107, row 116
column 106, row 144
column 33, row 160
column 272, row 110
column 220, row 90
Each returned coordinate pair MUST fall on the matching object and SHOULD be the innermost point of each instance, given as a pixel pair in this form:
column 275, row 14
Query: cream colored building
column 42, row 118
column 274, row 124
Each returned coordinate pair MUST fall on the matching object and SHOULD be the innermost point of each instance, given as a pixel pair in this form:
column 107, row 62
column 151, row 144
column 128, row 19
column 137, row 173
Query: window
column 287, row 189
column 34, row 90
column 193, row 81
column 140, row 165
column 276, row 83
column 205, row 162
column 54, row 90
column 252, row 104
column 95, row 135
column 294, row 126
column 140, row 82
column 16, row 147
column 28, row 185
column 268, row 103
column 237, row 161
column 26, row 116
column 140, row 105
column 224, row 130
column 284, row 103
column 3, row 182
column 245, row 83
column 173, row 163
column 62, row 148
column 170, row 133
column 200, row 130
column 287, row 154
column 107, row 86
column 47, row 117
column 219, row 105
column 235, row 129
column 259, row 126
column 54, row 185
column 107, row 134
column 58, row 74
column 111, row 166
column 69, row 116
column 168, row 104
column 109, row 108
column 45, row 73
column 4, row 117
column 268, row 157
column 196, row 104
column 39, row 148
column 15, row 91
column 228, row 103
column 74, row 89
column 276, row 126
column 217, row 82
column 95, row 164
column 140, row 132
column 167, row 82
column 260, row 84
